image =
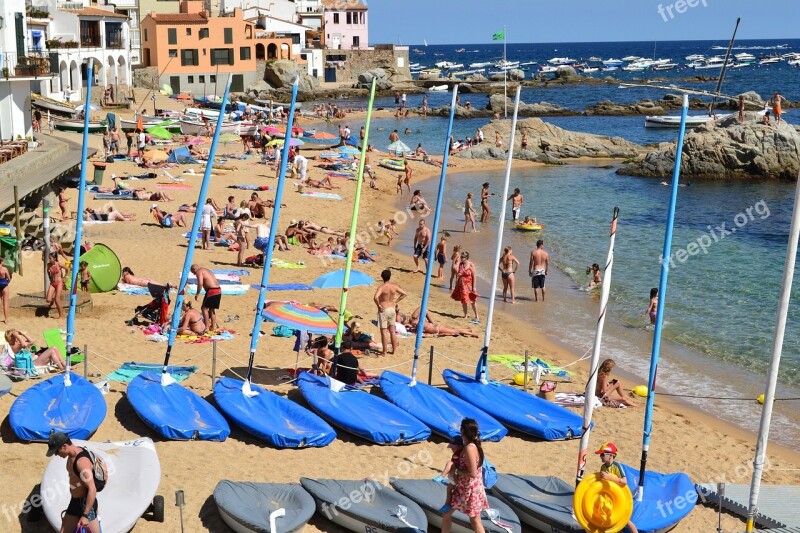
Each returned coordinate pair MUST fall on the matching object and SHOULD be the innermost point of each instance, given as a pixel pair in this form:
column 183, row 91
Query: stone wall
column 357, row 61
column 146, row 77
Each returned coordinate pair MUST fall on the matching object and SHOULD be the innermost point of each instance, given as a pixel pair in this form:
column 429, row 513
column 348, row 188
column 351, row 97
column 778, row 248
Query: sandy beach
column 684, row 440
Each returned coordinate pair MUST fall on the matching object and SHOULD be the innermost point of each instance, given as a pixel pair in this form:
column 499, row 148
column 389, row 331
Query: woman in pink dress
column 464, row 291
column 469, row 495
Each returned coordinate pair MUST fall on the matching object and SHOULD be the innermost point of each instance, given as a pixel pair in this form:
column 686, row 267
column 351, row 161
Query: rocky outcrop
column 609, row 108
column 499, row 103
column 282, row 73
column 749, row 150
column 381, row 77
column 565, row 71
column 548, row 143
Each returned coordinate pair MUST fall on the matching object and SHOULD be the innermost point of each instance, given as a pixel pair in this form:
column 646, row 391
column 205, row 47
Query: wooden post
column 18, row 228
column 526, row 378
column 430, row 368
column 213, row 363
column 85, row 360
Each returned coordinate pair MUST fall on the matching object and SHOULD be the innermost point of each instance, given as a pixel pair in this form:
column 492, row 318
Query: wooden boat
column 55, row 106
column 190, row 126
column 76, row 124
column 149, row 121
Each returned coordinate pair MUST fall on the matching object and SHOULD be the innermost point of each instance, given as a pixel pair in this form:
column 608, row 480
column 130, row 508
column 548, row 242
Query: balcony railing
column 34, row 64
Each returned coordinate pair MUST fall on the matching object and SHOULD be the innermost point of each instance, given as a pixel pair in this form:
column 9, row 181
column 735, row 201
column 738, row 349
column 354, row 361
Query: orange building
column 196, row 53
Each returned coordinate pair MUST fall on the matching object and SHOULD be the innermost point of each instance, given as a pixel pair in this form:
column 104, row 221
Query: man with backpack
column 87, row 476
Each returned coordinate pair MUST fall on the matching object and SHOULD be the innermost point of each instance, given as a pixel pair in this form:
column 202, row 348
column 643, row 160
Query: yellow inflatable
column 520, row 378
column 602, row 506
column 536, row 226
column 640, row 390
column 760, row 399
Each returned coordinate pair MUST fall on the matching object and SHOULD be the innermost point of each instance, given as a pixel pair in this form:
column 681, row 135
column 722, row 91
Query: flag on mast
column 499, row 36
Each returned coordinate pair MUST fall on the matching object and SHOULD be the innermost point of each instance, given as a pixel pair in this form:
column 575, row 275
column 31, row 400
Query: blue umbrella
column 349, row 150
column 335, row 280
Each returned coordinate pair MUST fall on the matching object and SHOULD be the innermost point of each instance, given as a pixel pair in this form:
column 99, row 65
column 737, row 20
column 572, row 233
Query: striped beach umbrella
column 302, row 317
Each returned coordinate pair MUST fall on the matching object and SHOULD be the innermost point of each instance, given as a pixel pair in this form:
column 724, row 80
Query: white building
column 131, row 9
column 23, row 70
column 79, row 32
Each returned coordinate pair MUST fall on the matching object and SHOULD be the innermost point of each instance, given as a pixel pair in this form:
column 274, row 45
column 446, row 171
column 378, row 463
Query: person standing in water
column 538, row 267
column 469, row 213
column 516, row 200
column 652, row 307
column 485, row 210
column 508, row 267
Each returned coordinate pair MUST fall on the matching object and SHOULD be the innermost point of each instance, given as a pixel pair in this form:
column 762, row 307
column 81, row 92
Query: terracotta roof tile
column 179, row 18
column 96, row 12
column 344, row 5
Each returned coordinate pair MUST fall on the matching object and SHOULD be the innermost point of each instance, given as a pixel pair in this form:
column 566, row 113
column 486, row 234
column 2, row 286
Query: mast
column 482, row 371
column 724, row 66
column 591, row 385
column 775, row 362
column 273, row 230
column 662, row 297
column 423, row 306
column 76, row 246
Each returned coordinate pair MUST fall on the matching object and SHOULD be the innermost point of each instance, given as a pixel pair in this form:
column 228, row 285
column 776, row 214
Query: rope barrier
column 730, row 398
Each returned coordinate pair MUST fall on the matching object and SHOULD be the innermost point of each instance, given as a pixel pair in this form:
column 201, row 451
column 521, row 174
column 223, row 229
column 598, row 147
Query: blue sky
column 541, row 21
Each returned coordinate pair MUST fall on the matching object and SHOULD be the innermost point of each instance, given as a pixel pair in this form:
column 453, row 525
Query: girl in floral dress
column 469, row 495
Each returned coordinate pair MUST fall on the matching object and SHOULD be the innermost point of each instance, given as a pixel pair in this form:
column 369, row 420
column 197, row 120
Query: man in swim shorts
column 538, row 267
column 81, row 513
column 386, row 298
column 422, row 244
column 775, row 102
column 211, row 302
column 516, row 200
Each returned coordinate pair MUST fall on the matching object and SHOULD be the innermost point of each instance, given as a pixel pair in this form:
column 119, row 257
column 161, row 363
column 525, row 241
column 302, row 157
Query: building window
column 204, row 33
column 221, row 56
column 189, row 58
column 349, row 18
column 228, row 35
column 244, row 53
column 336, row 18
column 190, row 79
column 188, row 32
column 173, row 52
column 145, row 35
column 172, row 36
column 212, row 78
column 356, row 41
column 202, row 78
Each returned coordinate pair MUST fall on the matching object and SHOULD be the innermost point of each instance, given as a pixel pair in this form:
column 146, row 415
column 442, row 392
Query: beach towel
column 221, row 335
column 344, row 258
column 128, row 371
column 574, row 399
column 229, row 279
column 280, row 263
column 229, row 290
column 517, row 363
column 133, row 290
column 250, row 187
column 121, row 195
column 341, row 175
column 285, row 287
column 230, row 271
column 324, row 195
column 98, row 222
column 182, row 186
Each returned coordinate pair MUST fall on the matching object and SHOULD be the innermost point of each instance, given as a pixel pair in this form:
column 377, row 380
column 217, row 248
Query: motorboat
column 744, row 57
column 481, row 65
column 506, row 65
column 612, row 62
column 665, row 66
column 674, row 121
column 589, row 70
column 610, row 69
column 710, row 63
column 460, row 50
column 595, row 59
column 634, row 68
column 438, row 88
column 794, row 62
column 448, row 65
column 192, row 126
column 695, row 57
column 545, row 69
column 770, row 60
column 628, row 59
column 561, row 61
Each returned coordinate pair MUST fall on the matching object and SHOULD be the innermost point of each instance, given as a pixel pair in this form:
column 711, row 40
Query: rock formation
column 282, row 73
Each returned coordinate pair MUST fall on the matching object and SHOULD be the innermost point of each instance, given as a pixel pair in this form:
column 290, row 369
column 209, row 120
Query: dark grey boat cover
column 430, row 495
column 368, row 501
column 548, row 499
column 250, row 504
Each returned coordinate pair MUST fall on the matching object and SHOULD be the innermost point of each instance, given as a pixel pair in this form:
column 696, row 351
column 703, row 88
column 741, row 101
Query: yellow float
column 640, row 390
column 602, row 506
column 520, row 378
column 760, row 399
column 535, row 226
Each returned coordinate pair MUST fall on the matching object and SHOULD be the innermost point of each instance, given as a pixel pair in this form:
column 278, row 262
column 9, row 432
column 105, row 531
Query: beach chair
column 54, row 339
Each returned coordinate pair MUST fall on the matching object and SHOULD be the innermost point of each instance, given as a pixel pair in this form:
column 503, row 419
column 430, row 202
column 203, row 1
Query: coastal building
column 130, row 8
column 193, row 52
column 345, row 25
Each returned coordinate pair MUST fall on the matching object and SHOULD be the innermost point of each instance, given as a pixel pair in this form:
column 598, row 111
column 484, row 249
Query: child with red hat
column 611, row 471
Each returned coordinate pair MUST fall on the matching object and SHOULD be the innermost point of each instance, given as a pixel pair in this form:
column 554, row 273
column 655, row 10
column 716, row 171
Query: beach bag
column 282, row 331
column 489, row 474
column 99, row 470
column 547, row 390
column 23, row 362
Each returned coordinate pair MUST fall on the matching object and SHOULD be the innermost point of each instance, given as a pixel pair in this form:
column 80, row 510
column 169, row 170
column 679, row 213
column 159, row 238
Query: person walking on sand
column 465, row 287
column 206, row 280
column 386, row 299
column 485, row 211
column 5, row 292
column 516, row 200
column 57, row 272
column 81, row 512
column 775, row 102
column 538, row 268
column 454, row 260
column 508, row 267
column 469, row 494
column 441, row 256
column 407, row 178
column 422, row 244
column 469, row 213
column 206, row 215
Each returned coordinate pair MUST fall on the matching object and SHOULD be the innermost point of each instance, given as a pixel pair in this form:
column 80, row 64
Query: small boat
column 589, row 70
column 56, row 106
column 173, row 126
column 75, row 124
column 445, row 65
column 744, row 56
column 431, row 72
column 794, row 62
column 561, row 61
column 438, row 88
column 543, row 503
column 613, row 62
column 692, row 121
column 695, row 57
column 595, row 59
column 376, row 508
column 664, row 66
column 275, row 105
column 481, row 65
column 190, row 126
column 133, row 479
column 634, row 68
column 631, row 58
column 263, row 507
column 770, row 60
column 610, row 69
column 460, row 50
column 535, row 226
column 545, row 69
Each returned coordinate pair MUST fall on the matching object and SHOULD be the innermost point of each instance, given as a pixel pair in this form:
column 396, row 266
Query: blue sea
column 721, row 300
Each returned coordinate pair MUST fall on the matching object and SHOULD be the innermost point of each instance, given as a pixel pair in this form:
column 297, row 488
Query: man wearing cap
column 82, row 508
column 611, row 471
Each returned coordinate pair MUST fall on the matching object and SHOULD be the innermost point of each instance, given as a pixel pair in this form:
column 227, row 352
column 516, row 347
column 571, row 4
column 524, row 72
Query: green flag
column 499, row 36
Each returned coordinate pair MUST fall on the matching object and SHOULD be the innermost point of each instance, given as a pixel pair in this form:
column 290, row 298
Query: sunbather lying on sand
column 434, row 328
column 308, row 225
column 111, row 215
column 322, row 184
column 129, row 278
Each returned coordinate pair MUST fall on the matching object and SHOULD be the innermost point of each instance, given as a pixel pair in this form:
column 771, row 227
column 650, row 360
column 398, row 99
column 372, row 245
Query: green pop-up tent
column 104, row 266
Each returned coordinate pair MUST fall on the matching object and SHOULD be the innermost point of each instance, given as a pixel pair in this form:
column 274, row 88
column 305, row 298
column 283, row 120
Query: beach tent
column 399, row 148
column 104, row 266
column 181, row 156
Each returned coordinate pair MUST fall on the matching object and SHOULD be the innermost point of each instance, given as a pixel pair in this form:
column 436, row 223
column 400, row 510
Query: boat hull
column 77, row 125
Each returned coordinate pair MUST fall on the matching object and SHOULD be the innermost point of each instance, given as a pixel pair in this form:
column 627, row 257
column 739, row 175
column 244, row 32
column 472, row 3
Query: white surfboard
column 134, row 473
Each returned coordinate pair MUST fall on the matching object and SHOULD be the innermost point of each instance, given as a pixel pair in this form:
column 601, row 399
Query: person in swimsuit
column 524, row 142
column 465, row 287
column 386, row 299
column 17, row 341
column 516, row 200
column 485, row 211
column 240, row 228
column 417, row 203
column 192, row 322
column 441, row 256
column 62, row 204
column 436, row 329
column 56, row 271
column 388, row 231
column 652, row 307
column 407, row 177
column 538, row 268
column 422, row 245
column 594, row 270
column 469, row 213
column 508, row 266
column 85, row 276
column 360, row 340
column 130, row 278
column 208, row 281
column 81, row 513
column 610, row 391
column 775, row 102
column 5, row 293
column 454, row 260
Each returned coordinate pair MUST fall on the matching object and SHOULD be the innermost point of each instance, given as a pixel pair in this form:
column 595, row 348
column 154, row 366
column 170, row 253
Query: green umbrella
column 159, row 132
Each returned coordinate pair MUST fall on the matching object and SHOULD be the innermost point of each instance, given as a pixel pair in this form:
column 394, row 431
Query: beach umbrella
column 155, row 155
column 348, row 150
column 399, row 148
column 269, row 130
column 302, row 317
column 159, row 132
column 166, row 89
column 292, row 142
column 196, row 141
column 81, row 107
column 324, row 135
column 335, row 279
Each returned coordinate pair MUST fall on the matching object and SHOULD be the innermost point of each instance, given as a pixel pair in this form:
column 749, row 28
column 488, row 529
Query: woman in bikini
column 17, row 341
column 130, row 278
column 652, row 307
column 610, row 391
column 241, row 236
column 192, row 322
column 62, row 204
column 508, row 266
column 360, row 340
column 56, row 271
column 437, row 329
column 454, row 259
column 469, row 213
column 594, row 270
